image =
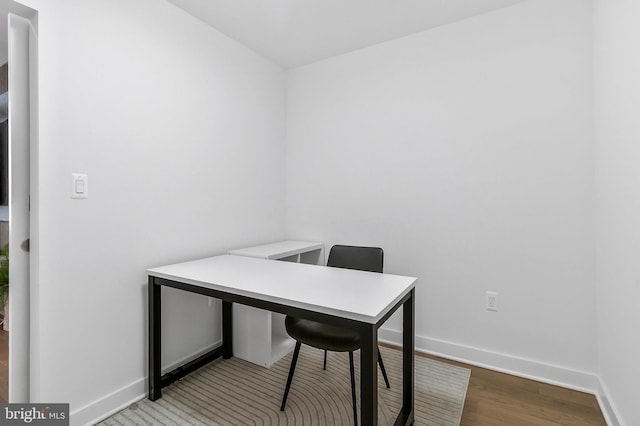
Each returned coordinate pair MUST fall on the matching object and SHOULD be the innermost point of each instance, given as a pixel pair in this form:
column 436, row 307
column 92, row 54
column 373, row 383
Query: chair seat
column 322, row 336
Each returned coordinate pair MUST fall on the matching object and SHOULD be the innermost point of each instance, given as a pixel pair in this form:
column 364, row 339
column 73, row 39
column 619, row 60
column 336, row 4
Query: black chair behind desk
column 329, row 337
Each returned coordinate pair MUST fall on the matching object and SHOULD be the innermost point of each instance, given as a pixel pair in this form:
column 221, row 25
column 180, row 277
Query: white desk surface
column 358, row 295
column 277, row 250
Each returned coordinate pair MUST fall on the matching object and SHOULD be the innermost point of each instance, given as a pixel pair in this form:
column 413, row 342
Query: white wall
column 466, row 152
column 617, row 65
column 180, row 130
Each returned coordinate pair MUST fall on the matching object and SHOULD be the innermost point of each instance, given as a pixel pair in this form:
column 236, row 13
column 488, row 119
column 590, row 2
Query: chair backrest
column 355, row 257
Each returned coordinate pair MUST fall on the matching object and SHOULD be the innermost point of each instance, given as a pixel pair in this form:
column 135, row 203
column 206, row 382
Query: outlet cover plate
column 492, row 301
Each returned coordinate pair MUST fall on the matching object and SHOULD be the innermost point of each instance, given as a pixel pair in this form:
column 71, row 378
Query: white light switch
column 79, row 185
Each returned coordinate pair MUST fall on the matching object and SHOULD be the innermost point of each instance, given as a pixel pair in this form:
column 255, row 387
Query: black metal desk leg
column 408, row 347
column 155, row 347
column 369, row 375
column 227, row 329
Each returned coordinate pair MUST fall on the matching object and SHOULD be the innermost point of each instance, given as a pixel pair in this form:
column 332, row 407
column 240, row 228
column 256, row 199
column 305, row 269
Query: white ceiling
column 299, row 32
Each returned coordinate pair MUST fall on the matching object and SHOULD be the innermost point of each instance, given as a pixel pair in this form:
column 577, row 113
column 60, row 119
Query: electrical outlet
column 492, row 301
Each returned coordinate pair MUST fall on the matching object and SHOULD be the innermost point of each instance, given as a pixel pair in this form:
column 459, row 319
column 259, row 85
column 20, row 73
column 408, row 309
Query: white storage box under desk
column 260, row 336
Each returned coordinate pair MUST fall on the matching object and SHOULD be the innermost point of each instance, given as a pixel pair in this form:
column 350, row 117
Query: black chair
column 329, row 337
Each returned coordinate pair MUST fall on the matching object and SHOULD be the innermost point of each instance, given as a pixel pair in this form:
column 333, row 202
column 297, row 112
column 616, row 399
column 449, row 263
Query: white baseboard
column 606, row 406
column 120, row 399
column 504, row 363
column 109, row 404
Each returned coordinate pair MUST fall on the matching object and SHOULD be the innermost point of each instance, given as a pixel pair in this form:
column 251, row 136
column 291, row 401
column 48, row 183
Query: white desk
column 357, row 300
column 289, row 250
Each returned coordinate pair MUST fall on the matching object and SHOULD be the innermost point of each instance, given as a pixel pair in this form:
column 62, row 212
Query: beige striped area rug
column 236, row 392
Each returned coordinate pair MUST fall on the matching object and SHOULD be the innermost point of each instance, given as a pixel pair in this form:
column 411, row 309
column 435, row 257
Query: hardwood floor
column 499, row 399
column 4, row 365
column 493, row 399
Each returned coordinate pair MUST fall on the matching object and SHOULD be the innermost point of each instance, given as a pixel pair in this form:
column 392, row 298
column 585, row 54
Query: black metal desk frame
column 368, row 351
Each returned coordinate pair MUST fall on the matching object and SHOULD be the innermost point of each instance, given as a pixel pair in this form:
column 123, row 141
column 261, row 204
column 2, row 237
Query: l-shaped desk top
column 358, row 300
column 357, row 295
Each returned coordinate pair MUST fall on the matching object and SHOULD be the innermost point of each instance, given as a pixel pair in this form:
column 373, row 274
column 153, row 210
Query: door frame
column 23, row 202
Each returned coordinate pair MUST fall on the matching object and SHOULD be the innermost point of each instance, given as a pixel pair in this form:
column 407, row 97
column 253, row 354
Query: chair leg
column 324, row 366
column 384, row 372
column 292, row 369
column 353, row 389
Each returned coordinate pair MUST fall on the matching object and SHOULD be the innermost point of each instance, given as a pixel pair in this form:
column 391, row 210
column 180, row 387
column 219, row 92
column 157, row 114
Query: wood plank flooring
column 493, row 399
column 498, row 399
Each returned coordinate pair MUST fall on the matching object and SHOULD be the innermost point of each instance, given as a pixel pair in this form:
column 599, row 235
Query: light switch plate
column 79, row 185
